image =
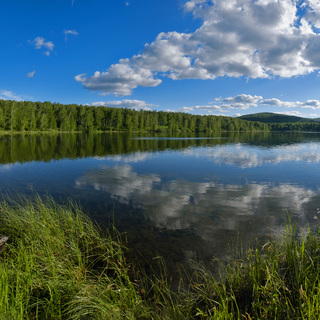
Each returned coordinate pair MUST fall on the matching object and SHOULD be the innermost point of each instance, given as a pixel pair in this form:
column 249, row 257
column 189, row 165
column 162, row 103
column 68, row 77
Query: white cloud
column 313, row 12
column 278, row 103
column 31, row 74
column 126, row 103
column 6, row 94
column 291, row 113
column 72, row 32
column 313, row 104
column 222, row 105
column 256, row 39
column 186, row 109
column 219, row 108
column 41, row 43
column 245, row 101
column 120, row 79
column 309, row 104
column 98, row 104
column 272, row 102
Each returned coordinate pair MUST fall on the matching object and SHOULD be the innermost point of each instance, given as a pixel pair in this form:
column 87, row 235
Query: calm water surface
column 184, row 198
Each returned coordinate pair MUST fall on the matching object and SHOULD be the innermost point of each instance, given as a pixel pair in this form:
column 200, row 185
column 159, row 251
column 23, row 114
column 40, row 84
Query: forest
column 24, row 116
column 47, row 116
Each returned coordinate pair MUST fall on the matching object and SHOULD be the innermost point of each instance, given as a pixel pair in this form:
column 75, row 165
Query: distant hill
column 269, row 117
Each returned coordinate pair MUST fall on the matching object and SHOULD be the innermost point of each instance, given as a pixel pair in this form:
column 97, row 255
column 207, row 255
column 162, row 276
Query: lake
column 182, row 197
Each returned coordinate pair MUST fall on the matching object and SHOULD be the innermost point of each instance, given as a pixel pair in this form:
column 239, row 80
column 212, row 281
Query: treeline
column 47, row 116
column 295, row 126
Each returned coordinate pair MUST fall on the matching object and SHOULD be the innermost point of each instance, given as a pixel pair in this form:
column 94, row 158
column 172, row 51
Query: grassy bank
column 58, row 265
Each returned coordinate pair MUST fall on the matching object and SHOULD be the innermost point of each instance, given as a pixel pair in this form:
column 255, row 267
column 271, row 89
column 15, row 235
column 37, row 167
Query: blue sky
column 221, row 57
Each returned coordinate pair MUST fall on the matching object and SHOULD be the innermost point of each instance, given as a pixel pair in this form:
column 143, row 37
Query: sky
column 218, row 57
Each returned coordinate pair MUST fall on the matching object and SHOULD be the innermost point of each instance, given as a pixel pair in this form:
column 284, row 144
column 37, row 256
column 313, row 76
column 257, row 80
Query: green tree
column 2, row 122
column 98, row 116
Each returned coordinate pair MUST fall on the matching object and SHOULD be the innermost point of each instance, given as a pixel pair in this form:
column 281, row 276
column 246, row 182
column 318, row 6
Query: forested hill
column 47, row 116
column 269, row 117
column 281, row 122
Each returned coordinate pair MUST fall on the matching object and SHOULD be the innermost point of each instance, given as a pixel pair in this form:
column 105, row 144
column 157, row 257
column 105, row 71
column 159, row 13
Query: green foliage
column 280, row 122
column 47, row 116
column 58, row 265
column 269, row 117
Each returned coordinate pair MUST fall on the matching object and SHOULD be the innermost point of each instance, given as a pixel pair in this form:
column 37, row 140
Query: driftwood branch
column 3, row 241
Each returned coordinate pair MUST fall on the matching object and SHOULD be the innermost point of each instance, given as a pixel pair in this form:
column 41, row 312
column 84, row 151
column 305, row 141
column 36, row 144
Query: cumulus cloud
column 126, row 103
column 192, row 5
column 256, row 39
column 272, row 102
column 41, row 43
column 309, row 104
column 31, row 74
column 278, row 103
column 245, row 101
column 313, row 13
column 313, row 104
column 243, row 98
column 120, row 79
column 223, row 105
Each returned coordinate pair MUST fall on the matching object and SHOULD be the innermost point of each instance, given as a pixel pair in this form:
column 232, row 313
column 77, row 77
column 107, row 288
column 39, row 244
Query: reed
column 279, row 280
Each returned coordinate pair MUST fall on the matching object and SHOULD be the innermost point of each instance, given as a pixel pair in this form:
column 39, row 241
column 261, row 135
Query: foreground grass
column 58, row 265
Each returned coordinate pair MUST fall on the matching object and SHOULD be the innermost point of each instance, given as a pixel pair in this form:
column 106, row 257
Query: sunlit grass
column 58, row 264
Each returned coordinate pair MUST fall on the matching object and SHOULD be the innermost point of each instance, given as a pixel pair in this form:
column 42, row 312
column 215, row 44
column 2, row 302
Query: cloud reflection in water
column 202, row 206
column 245, row 156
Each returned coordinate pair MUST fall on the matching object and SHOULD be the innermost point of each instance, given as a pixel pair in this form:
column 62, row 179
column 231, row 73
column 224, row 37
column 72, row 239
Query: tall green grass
column 58, row 264
column 279, row 280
